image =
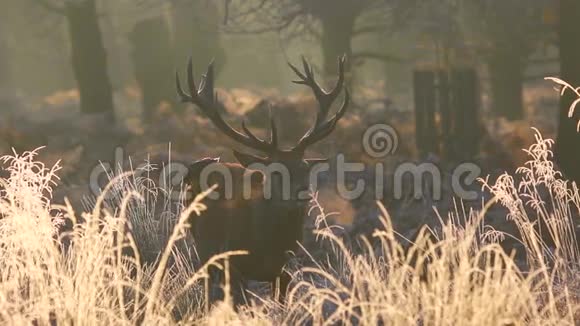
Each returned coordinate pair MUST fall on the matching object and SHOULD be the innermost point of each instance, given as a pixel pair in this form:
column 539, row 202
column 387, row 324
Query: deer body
column 267, row 230
column 268, row 222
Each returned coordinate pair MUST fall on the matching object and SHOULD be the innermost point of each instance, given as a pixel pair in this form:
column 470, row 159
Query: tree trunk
column 337, row 32
column 506, row 70
column 465, row 104
column 567, row 149
column 195, row 25
column 89, row 59
column 425, row 95
column 119, row 65
column 5, row 75
column 152, row 62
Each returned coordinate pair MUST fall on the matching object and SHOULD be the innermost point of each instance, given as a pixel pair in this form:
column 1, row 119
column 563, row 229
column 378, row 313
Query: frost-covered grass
column 461, row 276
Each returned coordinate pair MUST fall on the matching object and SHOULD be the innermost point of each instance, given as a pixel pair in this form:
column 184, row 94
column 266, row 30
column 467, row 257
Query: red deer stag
column 268, row 227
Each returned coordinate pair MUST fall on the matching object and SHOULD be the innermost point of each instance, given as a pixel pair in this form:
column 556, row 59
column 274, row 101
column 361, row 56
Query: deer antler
column 321, row 128
column 206, row 99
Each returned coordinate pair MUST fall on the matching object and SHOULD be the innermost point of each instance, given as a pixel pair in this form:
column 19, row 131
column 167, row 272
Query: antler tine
column 327, row 127
column 191, row 79
column 340, row 80
column 183, row 97
column 273, row 130
column 250, row 134
column 207, row 101
column 324, row 98
column 299, row 73
column 190, row 83
column 321, row 129
column 207, row 89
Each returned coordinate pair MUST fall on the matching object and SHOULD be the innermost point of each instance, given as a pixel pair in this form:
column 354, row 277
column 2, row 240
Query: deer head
column 205, row 98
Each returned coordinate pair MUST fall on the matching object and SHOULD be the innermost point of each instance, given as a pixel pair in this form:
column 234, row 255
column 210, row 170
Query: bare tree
column 88, row 55
column 152, row 63
column 334, row 22
column 506, row 34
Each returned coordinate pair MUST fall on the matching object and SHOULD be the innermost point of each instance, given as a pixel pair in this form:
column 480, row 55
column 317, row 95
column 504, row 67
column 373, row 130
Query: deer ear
column 195, row 169
column 201, row 164
column 248, row 159
column 314, row 161
column 207, row 160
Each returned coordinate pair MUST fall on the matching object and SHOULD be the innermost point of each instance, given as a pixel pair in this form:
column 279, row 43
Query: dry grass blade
column 460, row 277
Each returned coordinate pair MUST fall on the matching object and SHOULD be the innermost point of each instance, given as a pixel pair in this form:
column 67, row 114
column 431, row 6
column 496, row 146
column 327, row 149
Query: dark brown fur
column 267, row 230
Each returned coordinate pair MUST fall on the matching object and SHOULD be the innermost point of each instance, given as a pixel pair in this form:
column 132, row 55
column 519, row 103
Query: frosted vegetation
column 95, row 275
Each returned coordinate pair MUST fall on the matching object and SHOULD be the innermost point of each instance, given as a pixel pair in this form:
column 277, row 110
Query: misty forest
column 289, row 162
